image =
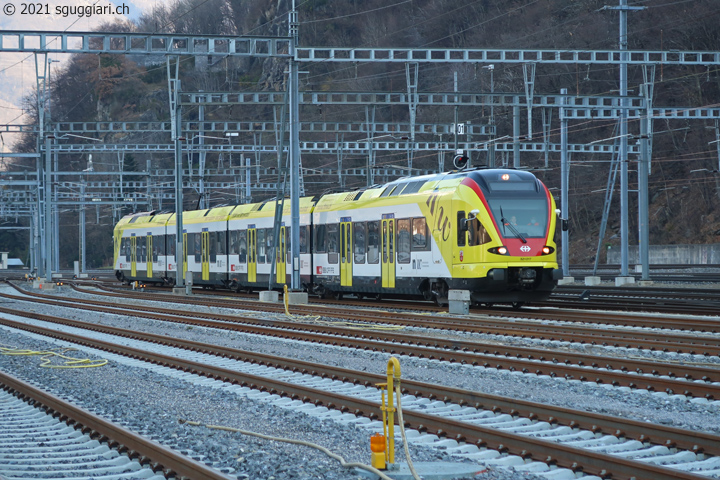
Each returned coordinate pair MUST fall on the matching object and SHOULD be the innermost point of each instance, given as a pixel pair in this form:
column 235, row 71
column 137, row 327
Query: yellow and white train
column 489, row 231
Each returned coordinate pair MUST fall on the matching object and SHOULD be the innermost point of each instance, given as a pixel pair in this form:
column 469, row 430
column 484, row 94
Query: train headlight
column 547, row 250
column 498, row 250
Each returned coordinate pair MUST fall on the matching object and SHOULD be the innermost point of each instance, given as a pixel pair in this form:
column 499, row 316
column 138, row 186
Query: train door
column 133, row 255
column 149, row 256
column 281, row 257
column 346, row 253
column 252, row 254
column 185, row 254
column 205, row 254
column 388, row 251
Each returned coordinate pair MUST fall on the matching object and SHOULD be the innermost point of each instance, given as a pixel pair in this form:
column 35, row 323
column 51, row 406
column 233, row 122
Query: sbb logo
column 319, row 270
column 525, row 248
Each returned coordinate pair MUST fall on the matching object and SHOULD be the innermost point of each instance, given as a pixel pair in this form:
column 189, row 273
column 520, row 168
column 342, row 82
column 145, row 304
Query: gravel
column 154, row 404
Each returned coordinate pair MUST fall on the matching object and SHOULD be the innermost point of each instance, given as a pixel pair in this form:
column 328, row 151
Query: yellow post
column 379, row 459
column 393, row 375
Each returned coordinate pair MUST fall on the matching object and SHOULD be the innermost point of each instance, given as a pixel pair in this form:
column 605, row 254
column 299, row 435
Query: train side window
column 332, row 243
column 125, row 248
column 140, row 246
column 155, row 241
column 460, row 232
column 260, row 245
column 477, row 234
column 320, row 239
column 359, row 242
column 170, row 239
column 222, row 242
column 269, row 240
column 212, row 246
column 304, row 230
column 233, row 242
column 419, row 234
column 373, row 242
column 242, row 245
column 159, row 244
column 403, row 240
column 198, row 247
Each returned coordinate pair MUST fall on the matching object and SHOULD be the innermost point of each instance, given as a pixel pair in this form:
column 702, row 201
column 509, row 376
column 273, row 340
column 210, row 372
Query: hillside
column 684, row 197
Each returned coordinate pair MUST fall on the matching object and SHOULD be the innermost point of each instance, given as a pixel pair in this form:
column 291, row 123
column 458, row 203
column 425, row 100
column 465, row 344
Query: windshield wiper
column 511, row 226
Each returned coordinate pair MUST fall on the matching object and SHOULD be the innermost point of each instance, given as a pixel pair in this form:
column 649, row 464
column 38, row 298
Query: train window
column 146, row 253
column 333, row 247
column 359, row 242
column 159, row 243
column 232, row 242
column 221, row 243
column 170, row 239
column 397, row 190
column 269, row 242
column 460, row 232
column 155, row 241
column 373, row 242
column 332, row 238
column 388, row 190
column 304, row 234
column 198, row 247
column 212, row 246
column 260, row 245
column 242, row 245
column 413, row 187
column 419, row 234
column 320, row 239
column 403, row 240
column 125, row 248
column 477, row 234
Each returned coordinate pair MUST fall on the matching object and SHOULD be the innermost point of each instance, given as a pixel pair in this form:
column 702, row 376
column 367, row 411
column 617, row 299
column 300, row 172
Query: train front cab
column 503, row 249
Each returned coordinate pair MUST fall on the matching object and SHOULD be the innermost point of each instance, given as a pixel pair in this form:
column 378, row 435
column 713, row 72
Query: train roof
column 403, row 187
column 267, row 208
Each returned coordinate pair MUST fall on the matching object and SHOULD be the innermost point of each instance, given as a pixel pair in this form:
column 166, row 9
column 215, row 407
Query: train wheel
column 338, row 295
column 517, row 305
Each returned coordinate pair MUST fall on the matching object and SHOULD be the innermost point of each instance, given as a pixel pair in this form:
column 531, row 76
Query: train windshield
column 520, row 217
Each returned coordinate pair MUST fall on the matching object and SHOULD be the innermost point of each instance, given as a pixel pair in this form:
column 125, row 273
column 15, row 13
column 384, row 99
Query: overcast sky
column 17, row 71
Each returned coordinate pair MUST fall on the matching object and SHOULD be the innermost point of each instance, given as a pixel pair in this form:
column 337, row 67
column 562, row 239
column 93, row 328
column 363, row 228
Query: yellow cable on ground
column 296, row 442
column 340, row 323
column 47, row 357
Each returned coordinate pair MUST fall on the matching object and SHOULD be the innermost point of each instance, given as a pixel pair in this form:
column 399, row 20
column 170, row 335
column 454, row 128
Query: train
column 489, row 231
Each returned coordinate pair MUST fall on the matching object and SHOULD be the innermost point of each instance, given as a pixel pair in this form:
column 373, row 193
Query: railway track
column 396, row 312
column 487, row 426
column 672, row 378
column 665, row 300
column 46, row 437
